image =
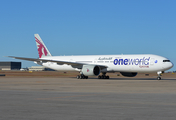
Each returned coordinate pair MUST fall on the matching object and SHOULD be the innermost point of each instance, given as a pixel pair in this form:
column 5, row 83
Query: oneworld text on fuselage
column 137, row 61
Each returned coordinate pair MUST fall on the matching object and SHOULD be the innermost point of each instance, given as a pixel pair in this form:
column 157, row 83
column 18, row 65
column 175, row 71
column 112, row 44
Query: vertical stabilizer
column 42, row 49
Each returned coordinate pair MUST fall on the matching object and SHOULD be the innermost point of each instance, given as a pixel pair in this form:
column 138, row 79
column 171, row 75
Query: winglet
column 42, row 49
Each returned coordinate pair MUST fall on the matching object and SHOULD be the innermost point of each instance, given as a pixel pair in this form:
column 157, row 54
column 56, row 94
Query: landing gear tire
column 103, row 77
column 78, row 77
column 82, row 77
column 99, row 77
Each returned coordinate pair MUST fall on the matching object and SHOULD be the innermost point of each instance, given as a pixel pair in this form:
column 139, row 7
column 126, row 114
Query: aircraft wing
column 73, row 64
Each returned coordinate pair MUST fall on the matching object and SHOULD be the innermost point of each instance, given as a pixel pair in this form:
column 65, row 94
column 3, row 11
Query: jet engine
column 91, row 70
column 129, row 74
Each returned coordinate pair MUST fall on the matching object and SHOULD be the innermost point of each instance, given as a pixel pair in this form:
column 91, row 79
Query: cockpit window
column 166, row 60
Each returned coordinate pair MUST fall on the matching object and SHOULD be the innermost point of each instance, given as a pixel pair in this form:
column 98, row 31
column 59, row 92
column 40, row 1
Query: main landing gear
column 103, row 76
column 82, row 76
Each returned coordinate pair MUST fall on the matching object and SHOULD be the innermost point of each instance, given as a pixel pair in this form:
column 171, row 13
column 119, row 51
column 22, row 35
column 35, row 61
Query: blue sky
column 86, row 27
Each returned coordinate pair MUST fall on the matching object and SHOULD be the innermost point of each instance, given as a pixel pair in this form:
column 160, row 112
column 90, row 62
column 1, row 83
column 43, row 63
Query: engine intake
column 91, row 70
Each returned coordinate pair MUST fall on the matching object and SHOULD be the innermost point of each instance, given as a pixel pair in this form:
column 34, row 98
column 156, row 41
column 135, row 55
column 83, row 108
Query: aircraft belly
column 61, row 67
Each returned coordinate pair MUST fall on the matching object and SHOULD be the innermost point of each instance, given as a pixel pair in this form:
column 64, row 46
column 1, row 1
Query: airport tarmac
column 87, row 99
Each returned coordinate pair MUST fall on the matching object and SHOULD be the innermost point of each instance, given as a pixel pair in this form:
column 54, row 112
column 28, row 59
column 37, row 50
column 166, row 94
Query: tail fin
column 42, row 49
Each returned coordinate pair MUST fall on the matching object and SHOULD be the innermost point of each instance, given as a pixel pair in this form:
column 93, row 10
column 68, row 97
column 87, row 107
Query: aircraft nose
column 171, row 65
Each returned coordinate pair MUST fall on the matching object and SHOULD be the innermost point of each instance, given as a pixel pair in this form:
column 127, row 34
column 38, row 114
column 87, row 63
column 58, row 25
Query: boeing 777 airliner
column 93, row 65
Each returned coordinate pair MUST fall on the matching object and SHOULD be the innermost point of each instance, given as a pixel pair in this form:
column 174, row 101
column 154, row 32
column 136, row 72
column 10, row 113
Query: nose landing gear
column 159, row 75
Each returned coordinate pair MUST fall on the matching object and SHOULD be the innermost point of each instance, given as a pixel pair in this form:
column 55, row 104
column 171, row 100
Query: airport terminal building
column 10, row 65
column 17, row 66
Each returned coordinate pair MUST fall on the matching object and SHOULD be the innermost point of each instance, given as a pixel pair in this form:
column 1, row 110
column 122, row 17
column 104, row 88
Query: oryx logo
column 87, row 70
column 41, row 49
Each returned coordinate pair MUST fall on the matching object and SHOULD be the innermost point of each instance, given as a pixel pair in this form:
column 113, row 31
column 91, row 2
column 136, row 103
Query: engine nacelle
column 129, row 74
column 91, row 70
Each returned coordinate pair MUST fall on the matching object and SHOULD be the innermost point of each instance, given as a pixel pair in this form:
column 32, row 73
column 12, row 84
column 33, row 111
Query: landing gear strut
column 82, row 76
column 103, row 76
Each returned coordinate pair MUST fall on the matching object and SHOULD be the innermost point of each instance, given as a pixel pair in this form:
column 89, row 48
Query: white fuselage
column 114, row 63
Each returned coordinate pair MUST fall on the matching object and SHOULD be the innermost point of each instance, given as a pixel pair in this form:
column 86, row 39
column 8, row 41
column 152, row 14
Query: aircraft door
column 152, row 61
